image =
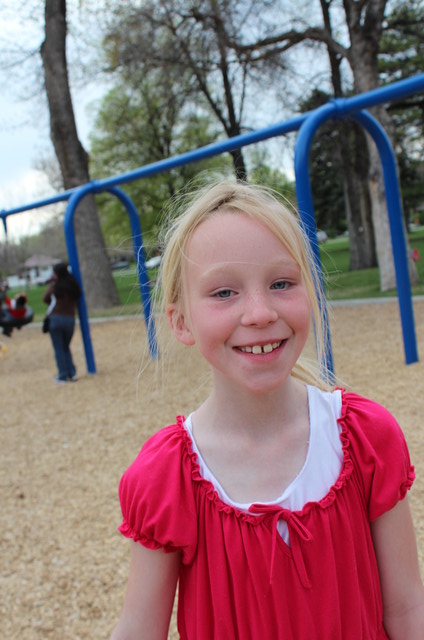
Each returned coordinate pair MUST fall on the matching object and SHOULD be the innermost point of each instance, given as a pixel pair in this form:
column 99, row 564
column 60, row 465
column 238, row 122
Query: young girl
column 279, row 504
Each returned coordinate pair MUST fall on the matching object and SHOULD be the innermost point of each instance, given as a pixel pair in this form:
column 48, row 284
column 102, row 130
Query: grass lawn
column 340, row 283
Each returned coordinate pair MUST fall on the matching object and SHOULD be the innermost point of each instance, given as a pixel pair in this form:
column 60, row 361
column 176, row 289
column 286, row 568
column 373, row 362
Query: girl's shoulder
column 374, row 442
column 359, row 417
column 152, row 489
column 369, row 420
column 162, row 449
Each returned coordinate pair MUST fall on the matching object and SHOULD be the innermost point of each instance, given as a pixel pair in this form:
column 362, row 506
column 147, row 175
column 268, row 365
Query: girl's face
column 246, row 306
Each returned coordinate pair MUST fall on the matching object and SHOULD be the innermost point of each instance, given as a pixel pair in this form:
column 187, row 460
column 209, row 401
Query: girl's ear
column 179, row 326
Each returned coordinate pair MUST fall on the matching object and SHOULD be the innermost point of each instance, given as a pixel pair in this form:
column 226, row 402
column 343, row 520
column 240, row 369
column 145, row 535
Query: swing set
column 306, row 125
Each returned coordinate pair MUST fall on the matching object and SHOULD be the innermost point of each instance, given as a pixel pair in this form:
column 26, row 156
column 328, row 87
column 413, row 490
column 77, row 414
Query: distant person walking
column 62, row 296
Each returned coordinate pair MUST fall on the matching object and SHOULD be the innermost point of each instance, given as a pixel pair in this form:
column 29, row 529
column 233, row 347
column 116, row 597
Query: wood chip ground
column 63, row 450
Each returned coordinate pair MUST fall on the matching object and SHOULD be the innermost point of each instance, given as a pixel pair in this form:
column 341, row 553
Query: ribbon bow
column 298, row 534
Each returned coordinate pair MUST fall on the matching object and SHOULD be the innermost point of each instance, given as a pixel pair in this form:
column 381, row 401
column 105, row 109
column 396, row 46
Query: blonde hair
column 265, row 206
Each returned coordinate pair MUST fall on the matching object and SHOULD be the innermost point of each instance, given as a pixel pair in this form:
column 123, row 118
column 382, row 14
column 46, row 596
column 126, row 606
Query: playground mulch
column 64, row 448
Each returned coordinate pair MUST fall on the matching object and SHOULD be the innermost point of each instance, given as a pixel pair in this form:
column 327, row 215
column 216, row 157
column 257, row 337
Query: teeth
column 257, row 349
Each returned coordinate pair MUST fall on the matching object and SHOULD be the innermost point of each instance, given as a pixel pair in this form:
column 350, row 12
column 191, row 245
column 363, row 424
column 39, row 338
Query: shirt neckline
column 244, row 506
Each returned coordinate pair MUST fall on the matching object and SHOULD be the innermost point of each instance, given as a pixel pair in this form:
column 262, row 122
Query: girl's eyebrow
column 284, row 263
column 285, row 268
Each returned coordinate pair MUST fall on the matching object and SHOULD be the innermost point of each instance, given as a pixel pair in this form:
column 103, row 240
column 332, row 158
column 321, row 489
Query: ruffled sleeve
column 379, row 452
column 156, row 496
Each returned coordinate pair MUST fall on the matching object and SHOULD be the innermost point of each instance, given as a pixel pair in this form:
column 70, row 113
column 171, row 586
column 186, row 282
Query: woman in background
column 64, row 291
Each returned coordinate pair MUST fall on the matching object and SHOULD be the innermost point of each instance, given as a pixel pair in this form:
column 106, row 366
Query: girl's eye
column 224, row 293
column 280, row 285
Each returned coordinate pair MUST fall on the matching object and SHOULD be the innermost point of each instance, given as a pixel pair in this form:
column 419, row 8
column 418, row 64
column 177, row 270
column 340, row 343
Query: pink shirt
column 322, row 464
column 238, row 578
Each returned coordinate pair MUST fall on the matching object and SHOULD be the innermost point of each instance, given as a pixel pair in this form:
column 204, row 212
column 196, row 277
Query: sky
column 21, row 143
column 24, row 124
column 19, row 138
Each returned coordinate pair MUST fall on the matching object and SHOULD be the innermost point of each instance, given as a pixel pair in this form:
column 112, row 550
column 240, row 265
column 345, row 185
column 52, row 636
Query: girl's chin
column 256, row 387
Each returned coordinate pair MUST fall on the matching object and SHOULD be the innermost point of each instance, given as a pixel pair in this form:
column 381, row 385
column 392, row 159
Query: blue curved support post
column 341, row 108
column 305, row 203
column 74, row 200
column 397, row 232
column 4, row 220
column 71, row 246
column 140, row 260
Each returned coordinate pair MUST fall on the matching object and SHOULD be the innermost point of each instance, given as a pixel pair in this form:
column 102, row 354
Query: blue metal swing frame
column 307, row 125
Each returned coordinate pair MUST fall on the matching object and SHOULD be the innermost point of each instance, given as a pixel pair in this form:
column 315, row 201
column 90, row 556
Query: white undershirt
column 322, row 465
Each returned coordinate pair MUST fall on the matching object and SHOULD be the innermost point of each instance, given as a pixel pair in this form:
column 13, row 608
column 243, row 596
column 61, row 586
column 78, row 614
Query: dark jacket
column 67, row 293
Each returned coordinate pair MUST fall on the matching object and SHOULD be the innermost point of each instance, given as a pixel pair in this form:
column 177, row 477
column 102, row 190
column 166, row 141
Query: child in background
column 279, row 505
column 14, row 312
column 17, row 306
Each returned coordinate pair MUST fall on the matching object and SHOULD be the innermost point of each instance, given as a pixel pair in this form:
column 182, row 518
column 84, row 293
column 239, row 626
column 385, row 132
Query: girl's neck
column 243, row 412
column 254, row 449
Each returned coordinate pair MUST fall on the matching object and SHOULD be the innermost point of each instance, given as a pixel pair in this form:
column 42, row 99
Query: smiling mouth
column 258, row 349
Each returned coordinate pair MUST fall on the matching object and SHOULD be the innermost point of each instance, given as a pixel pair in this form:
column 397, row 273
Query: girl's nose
column 259, row 310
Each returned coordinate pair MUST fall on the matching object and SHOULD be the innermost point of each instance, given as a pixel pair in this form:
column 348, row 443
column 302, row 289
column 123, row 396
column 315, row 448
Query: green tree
column 356, row 42
column 401, row 56
column 135, row 127
column 401, row 53
column 190, row 41
column 348, row 161
column 262, row 172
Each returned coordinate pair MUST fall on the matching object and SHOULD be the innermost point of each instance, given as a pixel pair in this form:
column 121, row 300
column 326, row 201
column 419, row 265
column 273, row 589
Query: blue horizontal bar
column 402, row 88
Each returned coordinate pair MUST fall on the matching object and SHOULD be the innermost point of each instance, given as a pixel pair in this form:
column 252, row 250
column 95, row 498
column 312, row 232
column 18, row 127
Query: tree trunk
column 99, row 286
column 239, row 164
column 357, row 199
column 365, row 32
column 353, row 162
